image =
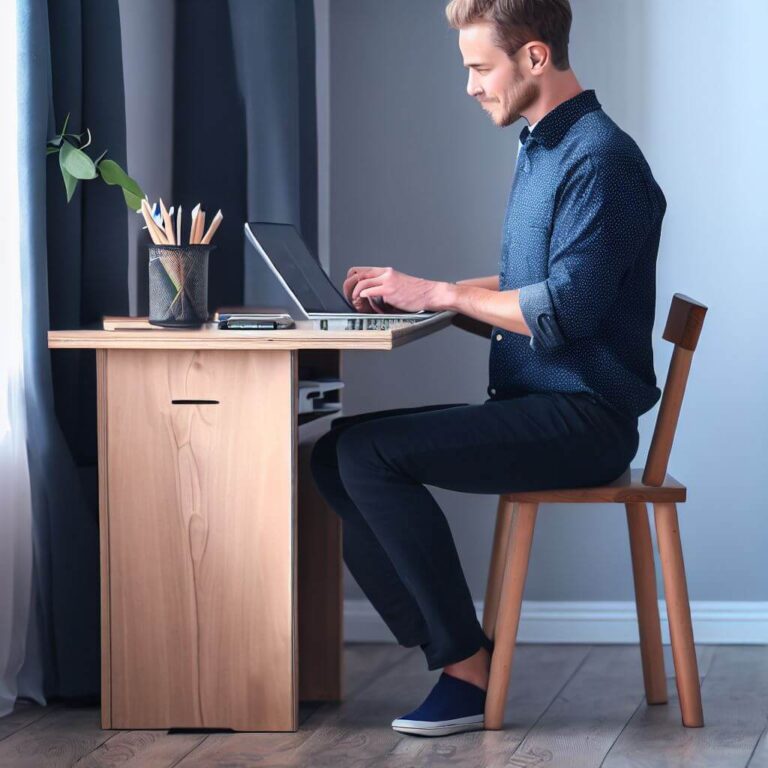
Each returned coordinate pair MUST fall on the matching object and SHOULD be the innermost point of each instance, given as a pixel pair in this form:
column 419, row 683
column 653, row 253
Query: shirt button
column 499, row 337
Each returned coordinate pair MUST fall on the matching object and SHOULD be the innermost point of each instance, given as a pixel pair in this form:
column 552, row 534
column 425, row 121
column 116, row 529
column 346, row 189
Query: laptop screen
column 300, row 271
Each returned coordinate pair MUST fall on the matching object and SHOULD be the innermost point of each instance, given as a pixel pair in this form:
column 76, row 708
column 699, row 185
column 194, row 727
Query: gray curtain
column 73, row 270
column 244, row 142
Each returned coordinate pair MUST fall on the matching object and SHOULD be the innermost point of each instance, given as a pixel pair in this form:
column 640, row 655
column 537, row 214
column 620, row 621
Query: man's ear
column 538, row 57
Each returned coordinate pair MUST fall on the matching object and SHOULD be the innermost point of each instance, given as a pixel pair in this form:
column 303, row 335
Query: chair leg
column 646, row 599
column 679, row 614
column 504, row 514
column 508, row 615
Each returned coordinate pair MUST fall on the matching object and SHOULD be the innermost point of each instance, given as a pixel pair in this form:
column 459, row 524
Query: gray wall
column 147, row 28
column 418, row 180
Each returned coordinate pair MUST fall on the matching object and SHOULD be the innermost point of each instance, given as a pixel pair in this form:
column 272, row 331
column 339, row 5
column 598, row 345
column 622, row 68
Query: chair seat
column 627, row 488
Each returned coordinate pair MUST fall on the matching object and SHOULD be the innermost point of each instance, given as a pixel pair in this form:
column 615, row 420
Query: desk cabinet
column 221, row 574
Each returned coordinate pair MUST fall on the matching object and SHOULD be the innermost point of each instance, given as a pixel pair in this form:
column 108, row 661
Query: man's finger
column 363, row 284
column 383, row 307
column 354, row 277
column 365, row 271
column 349, row 285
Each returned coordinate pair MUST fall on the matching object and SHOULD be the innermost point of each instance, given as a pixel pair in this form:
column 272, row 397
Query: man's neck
column 564, row 87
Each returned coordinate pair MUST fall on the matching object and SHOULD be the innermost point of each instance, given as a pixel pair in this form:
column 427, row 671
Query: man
column 571, row 362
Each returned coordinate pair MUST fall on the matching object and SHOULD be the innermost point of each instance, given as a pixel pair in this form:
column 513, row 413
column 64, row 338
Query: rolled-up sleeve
column 606, row 210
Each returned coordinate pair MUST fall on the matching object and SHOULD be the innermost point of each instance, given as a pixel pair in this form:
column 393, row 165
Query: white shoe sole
column 440, row 727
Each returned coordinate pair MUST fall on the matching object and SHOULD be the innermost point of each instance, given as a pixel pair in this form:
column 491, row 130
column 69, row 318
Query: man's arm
column 492, row 306
column 413, row 294
column 607, row 211
column 471, row 324
column 491, row 282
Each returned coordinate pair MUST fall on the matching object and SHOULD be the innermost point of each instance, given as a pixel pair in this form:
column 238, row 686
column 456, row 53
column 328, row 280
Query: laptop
column 317, row 298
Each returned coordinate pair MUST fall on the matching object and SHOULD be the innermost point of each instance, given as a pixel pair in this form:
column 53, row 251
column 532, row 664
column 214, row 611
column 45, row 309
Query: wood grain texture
column 647, row 602
column 683, row 328
column 567, row 704
column 320, row 591
column 679, row 614
column 141, row 749
column 314, row 743
column 734, row 686
column 759, row 758
column 56, row 740
column 24, row 714
column 588, row 713
column 667, row 418
column 504, row 516
column 684, row 321
column 627, row 488
column 106, row 634
column 320, row 571
column 210, row 337
column 202, row 537
column 508, row 614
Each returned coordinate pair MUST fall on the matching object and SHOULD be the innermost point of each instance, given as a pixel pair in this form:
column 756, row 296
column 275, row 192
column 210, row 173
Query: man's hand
column 383, row 289
column 353, row 275
column 478, row 298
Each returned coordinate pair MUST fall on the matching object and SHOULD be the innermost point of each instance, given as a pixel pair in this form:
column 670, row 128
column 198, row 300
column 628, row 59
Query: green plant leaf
column 80, row 138
column 51, row 150
column 112, row 173
column 70, row 182
column 77, row 163
column 56, row 140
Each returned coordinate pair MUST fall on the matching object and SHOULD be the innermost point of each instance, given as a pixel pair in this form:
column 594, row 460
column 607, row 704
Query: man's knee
column 345, row 445
column 363, row 450
column 323, row 462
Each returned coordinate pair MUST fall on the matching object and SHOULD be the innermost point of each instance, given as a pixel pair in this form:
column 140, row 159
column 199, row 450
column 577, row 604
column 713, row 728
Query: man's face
column 503, row 87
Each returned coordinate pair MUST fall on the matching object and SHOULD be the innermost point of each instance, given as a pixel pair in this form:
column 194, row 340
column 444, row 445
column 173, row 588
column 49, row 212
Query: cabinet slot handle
column 195, row 402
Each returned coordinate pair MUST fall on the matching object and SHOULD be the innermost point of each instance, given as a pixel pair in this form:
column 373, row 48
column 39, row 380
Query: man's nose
column 473, row 88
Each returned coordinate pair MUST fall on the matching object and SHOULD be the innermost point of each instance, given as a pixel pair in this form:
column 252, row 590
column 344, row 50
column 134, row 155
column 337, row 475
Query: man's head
column 513, row 49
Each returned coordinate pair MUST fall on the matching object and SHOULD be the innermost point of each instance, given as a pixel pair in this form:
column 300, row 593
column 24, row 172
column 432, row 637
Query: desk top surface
column 136, row 333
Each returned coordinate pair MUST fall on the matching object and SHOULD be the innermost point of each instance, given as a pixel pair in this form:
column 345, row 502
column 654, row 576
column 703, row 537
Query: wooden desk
column 220, row 565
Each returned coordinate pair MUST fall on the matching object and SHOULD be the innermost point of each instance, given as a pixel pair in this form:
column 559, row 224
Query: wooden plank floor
column 576, row 706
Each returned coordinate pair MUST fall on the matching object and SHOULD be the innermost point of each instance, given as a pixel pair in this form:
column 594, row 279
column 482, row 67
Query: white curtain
column 15, row 497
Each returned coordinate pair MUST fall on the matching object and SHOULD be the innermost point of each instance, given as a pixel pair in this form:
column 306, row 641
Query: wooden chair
column 513, row 535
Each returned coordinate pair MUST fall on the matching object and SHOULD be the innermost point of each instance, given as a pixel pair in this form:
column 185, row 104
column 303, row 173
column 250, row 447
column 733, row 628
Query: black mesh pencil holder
column 178, row 285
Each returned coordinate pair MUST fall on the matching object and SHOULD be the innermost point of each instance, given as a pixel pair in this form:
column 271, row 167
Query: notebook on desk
column 317, row 299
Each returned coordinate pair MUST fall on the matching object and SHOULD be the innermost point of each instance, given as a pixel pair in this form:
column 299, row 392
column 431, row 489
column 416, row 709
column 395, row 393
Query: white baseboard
column 592, row 622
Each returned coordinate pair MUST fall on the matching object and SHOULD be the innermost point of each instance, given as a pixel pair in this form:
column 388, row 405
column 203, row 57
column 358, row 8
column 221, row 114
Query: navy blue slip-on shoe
column 453, row 706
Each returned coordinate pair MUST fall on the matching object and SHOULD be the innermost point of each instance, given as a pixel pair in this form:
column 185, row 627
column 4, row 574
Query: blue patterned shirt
column 580, row 239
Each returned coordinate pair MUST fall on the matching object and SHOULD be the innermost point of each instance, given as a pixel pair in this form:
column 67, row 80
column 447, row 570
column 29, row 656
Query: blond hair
column 517, row 22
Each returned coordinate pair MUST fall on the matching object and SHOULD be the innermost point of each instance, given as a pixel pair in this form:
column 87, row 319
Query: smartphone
column 253, row 321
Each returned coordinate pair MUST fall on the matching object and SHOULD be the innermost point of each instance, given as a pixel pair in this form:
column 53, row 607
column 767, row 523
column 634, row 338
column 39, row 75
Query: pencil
column 178, row 226
column 168, row 222
column 200, row 226
column 151, row 231
column 158, row 238
column 193, row 226
column 212, row 228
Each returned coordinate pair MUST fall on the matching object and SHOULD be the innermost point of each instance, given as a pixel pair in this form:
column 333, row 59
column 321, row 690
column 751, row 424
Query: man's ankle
column 474, row 669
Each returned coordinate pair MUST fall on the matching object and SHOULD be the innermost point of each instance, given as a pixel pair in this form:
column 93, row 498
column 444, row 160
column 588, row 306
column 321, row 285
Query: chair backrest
column 683, row 328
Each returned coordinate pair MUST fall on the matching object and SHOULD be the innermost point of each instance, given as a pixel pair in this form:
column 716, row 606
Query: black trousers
column 372, row 469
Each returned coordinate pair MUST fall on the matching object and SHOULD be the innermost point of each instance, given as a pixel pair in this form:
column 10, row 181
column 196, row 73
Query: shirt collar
column 556, row 123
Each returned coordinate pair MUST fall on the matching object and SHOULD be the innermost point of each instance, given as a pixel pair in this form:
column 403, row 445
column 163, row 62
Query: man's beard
column 523, row 95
